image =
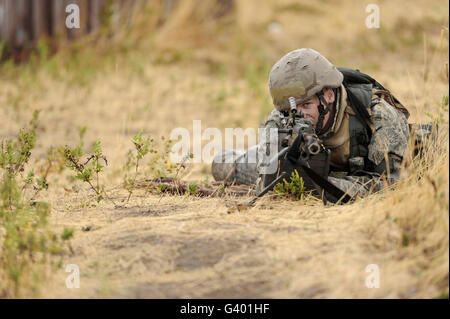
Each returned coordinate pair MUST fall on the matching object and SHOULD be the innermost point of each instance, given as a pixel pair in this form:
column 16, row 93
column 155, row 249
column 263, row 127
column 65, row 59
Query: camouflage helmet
column 301, row 73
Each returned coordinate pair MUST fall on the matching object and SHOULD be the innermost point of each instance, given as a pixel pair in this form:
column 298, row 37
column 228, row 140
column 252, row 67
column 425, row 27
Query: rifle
column 303, row 151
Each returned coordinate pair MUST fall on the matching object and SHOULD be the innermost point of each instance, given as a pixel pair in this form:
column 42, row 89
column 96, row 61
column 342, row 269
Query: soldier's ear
column 329, row 95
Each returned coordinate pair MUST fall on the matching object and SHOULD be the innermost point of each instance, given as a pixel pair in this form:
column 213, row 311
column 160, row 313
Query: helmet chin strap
column 322, row 111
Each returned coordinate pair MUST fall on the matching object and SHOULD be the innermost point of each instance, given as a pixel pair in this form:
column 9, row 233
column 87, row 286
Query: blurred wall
column 24, row 22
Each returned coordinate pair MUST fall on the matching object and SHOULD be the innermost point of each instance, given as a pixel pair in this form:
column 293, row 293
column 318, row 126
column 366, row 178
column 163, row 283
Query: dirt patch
column 245, row 290
column 288, row 229
column 155, row 290
column 128, row 241
column 139, row 211
column 205, row 289
column 206, row 252
column 313, row 291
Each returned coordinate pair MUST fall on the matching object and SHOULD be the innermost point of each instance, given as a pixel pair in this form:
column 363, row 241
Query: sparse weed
column 440, row 117
column 160, row 164
column 26, row 244
column 90, row 170
column 16, row 154
column 193, row 186
column 142, row 147
column 205, row 182
column 157, row 162
column 294, row 189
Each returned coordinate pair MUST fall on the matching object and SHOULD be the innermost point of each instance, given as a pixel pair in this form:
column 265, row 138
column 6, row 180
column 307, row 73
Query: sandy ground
column 172, row 247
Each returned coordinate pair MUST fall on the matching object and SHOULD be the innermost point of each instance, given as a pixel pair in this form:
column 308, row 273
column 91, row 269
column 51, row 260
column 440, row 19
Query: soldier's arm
column 265, row 146
column 389, row 141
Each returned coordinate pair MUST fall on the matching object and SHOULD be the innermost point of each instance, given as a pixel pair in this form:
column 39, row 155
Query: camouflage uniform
column 390, row 137
column 356, row 167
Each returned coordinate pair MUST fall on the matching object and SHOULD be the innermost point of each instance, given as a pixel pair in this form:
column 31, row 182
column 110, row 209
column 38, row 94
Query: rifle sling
column 326, row 185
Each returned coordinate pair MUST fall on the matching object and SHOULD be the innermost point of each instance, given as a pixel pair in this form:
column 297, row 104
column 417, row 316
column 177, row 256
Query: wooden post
column 58, row 20
column 7, row 12
column 40, row 19
column 95, row 15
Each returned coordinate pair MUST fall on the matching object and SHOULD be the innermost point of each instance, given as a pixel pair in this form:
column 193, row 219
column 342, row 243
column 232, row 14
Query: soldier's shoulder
column 385, row 105
column 382, row 110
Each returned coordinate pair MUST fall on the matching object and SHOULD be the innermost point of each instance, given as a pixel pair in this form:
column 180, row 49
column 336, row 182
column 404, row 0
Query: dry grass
column 194, row 67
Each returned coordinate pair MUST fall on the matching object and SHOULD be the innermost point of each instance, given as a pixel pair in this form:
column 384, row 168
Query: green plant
column 15, row 155
column 440, row 117
column 26, row 243
column 193, row 186
column 159, row 164
column 142, row 147
column 89, row 170
column 205, row 182
column 157, row 161
column 295, row 188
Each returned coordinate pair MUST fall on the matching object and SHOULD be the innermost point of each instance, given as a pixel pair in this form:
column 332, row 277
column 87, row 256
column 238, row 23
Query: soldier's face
column 310, row 107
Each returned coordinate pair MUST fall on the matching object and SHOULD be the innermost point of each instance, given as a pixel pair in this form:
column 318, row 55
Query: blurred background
column 156, row 65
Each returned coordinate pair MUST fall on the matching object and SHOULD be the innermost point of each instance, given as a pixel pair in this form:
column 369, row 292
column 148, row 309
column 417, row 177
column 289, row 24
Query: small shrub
column 193, row 188
column 441, row 117
column 155, row 162
column 295, row 188
column 90, row 170
column 142, row 147
column 26, row 243
column 205, row 182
